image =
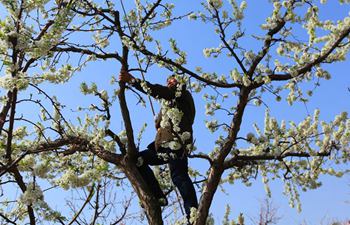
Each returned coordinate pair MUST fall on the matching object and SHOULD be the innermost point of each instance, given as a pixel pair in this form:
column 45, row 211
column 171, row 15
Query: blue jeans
column 178, row 170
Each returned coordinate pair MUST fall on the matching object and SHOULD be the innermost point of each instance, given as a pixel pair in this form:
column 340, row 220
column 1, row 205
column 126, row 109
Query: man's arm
column 155, row 90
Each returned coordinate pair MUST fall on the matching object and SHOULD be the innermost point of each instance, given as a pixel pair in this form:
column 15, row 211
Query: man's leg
column 146, row 158
column 179, row 175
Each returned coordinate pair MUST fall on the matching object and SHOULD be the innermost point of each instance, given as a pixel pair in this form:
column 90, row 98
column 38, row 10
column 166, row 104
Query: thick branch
column 7, row 219
column 235, row 125
column 11, row 126
column 149, row 13
column 243, row 160
column 183, row 69
column 14, row 163
column 87, row 52
column 44, row 30
column 78, row 145
column 116, row 139
column 132, row 150
column 5, row 110
column 202, row 156
column 217, row 169
column 265, row 49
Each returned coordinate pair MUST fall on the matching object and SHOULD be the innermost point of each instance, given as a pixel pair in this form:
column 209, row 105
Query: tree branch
column 183, row 69
column 223, row 39
column 91, row 193
column 87, row 52
column 306, row 68
column 7, row 219
column 240, row 159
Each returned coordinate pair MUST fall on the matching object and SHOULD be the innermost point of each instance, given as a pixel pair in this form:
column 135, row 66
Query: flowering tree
column 48, row 42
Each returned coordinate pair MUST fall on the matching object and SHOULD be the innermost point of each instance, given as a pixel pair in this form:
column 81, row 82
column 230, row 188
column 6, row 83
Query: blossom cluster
column 55, row 76
column 33, row 195
column 311, row 136
column 8, row 82
column 215, row 3
column 71, row 179
column 171, row 118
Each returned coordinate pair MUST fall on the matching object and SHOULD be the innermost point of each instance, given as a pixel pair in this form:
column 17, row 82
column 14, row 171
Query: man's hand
column 125, row 76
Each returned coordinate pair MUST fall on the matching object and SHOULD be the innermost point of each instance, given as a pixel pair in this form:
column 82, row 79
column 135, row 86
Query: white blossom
column 212, row 125
column 185, row 136
column 235, row 75
column 174, row 145
column 243, row 5
column 32, row 195
column 207, row 52
column 215, row 3
column 192, row 16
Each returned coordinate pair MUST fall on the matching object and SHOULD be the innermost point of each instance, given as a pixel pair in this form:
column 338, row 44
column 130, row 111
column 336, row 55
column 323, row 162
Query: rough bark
column 5, row 110
column 148, row 201
column 208, row 194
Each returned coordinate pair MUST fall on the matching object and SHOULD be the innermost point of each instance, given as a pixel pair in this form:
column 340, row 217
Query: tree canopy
column 60, row 130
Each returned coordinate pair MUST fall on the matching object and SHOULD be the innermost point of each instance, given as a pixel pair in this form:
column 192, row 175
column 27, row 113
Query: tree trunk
column 149, row 202
column 217, row 169
column 208, row 194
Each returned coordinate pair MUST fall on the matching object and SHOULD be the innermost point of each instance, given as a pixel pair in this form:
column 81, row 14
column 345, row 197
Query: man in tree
column 173, row 138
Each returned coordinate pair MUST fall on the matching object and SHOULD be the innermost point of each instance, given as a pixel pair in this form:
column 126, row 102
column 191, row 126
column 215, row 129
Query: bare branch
column 7, row 219
column 91, row 193
column 201, row 156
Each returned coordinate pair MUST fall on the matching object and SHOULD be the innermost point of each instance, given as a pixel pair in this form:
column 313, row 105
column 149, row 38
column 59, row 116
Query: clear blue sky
column 332, row 97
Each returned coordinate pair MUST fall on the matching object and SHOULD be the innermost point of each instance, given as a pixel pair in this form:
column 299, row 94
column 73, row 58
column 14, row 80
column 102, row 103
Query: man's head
column 172, row 82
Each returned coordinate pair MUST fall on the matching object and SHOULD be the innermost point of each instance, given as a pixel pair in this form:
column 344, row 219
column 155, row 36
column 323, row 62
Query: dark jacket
column 184, row 103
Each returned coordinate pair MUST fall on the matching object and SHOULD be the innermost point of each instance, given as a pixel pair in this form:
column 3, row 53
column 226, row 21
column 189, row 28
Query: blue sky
column 332, row 97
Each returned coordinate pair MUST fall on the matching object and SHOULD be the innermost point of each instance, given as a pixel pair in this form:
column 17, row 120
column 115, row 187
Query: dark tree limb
column 243, row 160
column 5, row 110
column 169, row 61
column 7, row 219
column 87, row 52
column 116, row 138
